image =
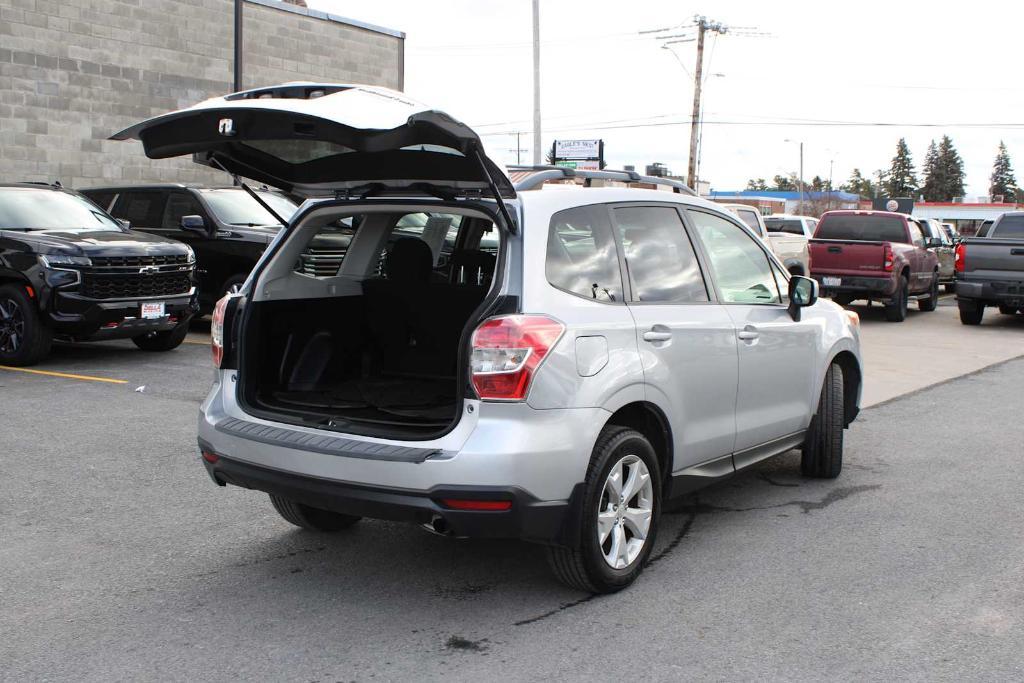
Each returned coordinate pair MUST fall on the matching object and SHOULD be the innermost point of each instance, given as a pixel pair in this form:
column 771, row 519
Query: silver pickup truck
column 790, row 248
column 990, row 270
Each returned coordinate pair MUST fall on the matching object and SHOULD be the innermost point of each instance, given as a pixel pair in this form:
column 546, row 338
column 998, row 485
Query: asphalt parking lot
column 122, row 561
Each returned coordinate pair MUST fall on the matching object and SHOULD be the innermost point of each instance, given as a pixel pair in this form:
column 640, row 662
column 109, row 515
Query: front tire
column 932, row 302
column 168, row 340
column 24, row 339
column 896, row 310
column 823, row 445
column 619, row 515
column 311, row 519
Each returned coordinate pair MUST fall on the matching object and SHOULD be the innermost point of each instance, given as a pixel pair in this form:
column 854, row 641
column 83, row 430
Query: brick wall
column 72, row 72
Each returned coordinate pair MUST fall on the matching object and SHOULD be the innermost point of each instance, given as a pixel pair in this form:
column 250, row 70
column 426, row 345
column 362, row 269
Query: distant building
column 965, row 216
column 793, row 202
column 76, row 71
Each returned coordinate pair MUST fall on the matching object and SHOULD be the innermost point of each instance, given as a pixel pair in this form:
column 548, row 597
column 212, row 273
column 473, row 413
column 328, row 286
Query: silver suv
column 497, row 358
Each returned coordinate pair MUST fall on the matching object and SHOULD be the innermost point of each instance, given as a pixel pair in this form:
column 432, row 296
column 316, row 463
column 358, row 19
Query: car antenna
column 241, row 183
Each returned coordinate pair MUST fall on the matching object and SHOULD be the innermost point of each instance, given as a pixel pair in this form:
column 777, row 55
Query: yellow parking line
column 66, row 375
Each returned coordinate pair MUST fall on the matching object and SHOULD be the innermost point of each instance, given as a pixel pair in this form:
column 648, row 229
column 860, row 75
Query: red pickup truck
column 875, row 255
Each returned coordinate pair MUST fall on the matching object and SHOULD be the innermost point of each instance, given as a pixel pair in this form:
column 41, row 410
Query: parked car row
column 990, row 270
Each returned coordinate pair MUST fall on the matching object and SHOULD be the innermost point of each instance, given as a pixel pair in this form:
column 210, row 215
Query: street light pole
column 803, row 190
column 536, row 83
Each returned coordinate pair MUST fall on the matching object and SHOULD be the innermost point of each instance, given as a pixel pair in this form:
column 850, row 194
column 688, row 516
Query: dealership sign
column 579, row 149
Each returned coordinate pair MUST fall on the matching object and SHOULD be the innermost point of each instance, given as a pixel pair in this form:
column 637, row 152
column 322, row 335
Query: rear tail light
column 887, row 258
column 507, row 352
column 210, row 456
column 961, row 255
column 217, row 331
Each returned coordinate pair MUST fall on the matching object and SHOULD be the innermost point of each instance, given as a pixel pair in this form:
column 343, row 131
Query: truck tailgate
column 842, row 257
column 991, row 258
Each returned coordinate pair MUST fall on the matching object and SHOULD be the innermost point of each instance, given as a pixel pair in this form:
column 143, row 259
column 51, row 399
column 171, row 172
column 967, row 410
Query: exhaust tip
column 438, row 525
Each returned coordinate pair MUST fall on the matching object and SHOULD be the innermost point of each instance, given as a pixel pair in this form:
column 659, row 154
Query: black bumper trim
column 328, row 445
column 528, row 518
column 852, row 284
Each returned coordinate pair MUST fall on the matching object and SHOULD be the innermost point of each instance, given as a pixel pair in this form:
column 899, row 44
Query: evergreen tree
column 901, row 181
column 1003, row 181
column 881, row 180
column 952, row 167
column 934, row 176
column 786, row 183
column 818, row 184
column 859, row 185
column 757, row 184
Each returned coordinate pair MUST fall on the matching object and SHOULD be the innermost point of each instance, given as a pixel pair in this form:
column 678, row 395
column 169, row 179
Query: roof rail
column 542, row 174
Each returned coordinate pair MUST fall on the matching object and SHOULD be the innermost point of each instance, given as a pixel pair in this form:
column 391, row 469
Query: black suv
column 70, row 271
column 226, row 227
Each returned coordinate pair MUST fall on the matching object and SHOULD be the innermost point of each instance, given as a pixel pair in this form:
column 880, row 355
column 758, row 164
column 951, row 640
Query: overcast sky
column 956, row 65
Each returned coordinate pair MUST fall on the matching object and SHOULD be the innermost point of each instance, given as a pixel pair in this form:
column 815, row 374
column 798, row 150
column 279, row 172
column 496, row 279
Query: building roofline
column 327, row 16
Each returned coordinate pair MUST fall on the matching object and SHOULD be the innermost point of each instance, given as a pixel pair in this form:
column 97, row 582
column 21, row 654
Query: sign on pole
column 579, row 154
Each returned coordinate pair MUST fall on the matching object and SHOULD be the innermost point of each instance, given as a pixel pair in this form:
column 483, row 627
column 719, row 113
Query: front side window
column 141, row 209
column 740, row 267
column 180, row 204
column 581, row 257
column 32, row 209
column 916, row 236
column 662, row 265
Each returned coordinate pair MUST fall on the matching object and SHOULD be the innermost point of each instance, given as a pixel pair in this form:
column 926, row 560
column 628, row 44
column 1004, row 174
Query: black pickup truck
column 990, row 270
column 70, row 271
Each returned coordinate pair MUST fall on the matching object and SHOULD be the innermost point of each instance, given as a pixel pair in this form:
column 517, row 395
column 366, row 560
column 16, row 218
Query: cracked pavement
column 121, row 561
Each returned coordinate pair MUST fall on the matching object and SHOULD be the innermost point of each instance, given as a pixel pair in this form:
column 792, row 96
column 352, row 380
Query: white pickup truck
column 790, row 248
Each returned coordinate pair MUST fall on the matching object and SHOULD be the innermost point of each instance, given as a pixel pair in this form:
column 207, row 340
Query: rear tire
column 971, row 312
column 24, row 339
column 823, row 445
column 932, row 302
column 586, row 567
column 311, row 519
column 1007, row 310
column 896, row 311
column 168, row 340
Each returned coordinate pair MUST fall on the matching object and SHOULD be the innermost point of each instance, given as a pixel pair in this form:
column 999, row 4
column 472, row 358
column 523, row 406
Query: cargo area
column 382, row 358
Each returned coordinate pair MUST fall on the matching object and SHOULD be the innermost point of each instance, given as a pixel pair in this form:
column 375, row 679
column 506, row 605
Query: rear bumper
column 527, row 518
column 996, row 292
column 871, row 287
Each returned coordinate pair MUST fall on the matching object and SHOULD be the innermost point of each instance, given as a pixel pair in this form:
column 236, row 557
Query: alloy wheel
column 12, row 326
column 624, row 512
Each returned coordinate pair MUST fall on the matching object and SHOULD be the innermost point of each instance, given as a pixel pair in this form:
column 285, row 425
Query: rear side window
column 1009, row 226
column 867, row 228
column 141, row 209
column 783, row 225
column 661, row 261
column 581, row 257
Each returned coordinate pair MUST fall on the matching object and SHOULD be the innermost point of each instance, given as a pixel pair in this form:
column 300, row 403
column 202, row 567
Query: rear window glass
column 863, row 228
column 783, row 225
column 1009, row 226
column 582, row 258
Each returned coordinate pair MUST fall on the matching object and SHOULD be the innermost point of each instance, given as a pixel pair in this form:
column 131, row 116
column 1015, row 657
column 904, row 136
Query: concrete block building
column 72, row 72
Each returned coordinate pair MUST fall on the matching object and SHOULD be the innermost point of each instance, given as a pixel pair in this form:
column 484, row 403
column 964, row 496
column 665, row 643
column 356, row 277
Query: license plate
column 831, row 281
column 152, row 310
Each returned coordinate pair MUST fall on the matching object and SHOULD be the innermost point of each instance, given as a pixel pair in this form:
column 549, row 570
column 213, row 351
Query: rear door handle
column 656, row 336
column 748, row 333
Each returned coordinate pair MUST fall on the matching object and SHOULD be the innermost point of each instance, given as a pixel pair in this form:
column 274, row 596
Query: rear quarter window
column 1009, row 226
column 864, row 228
column 582, row 258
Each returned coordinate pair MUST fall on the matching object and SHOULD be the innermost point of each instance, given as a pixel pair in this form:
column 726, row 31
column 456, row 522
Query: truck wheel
column 843, row 299
column 896, row 310
column 932, row 302
column 313, row 519
column 950, row 287
column 163, row 341
column 823, row 445
column 24, row 339
column 232, row 285
column 1007, row 310
column 619, row 515
column 971, row 312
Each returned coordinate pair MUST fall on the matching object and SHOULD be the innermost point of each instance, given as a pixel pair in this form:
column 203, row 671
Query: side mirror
column 803, row 291
column 125, row 225
column 194, row 224
column 932, row 242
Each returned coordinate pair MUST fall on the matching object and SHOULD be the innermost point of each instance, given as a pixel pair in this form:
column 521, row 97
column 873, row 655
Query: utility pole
column 703, row 26
column 238, row 46
column 536, row 84
column 803, row 189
